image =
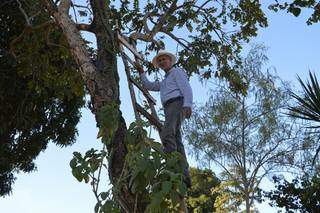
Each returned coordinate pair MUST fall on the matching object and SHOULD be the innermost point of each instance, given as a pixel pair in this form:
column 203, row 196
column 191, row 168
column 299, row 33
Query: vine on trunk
column 153, row 176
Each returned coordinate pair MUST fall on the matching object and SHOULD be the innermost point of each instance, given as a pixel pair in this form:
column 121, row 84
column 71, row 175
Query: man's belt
column 171, row 100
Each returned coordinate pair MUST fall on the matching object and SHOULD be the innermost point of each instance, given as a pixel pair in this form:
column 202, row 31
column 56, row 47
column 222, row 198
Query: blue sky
column 293, row 50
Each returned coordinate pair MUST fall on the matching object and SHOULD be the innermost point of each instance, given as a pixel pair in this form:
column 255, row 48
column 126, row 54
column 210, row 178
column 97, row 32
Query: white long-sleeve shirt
column 175, row 84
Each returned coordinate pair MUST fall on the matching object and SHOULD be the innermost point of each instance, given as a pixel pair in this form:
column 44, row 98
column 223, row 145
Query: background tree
column 201, row 198
column 228, row 200
column 308, row 108
column 248, row 137
column 296, row 6
column 301, row 194
column 40, row 94
column 206, row 48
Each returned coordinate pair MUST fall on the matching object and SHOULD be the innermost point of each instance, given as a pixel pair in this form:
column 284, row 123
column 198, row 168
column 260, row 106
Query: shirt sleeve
column 184, row 86
column 153, row 86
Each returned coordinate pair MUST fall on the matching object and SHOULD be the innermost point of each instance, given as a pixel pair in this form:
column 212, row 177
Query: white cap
column 163, row 52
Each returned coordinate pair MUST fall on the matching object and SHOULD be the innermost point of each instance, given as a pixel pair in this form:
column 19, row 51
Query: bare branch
column 75, row 14
column 144, row 37
column 186, row 4
column 144, row 22
column 252, row 120
column 201, row 7
column 163, row 18
column 81, row 6
column 24, row 13
column 177, row 39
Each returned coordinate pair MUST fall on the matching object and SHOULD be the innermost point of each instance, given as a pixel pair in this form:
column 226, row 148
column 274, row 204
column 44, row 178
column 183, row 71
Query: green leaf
column 94, row 165
column 77, row 155
column 76, row 172
column 104, row 195
column 73, row 163
column 157, row 200
column 174, row 196
column 166, row 186
column 156, row 146
column 97, row 207
column 295, row 11
column 182, row 189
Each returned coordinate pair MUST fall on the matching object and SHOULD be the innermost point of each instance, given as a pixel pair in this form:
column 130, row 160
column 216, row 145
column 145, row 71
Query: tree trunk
column 244, row 172
column 247, row 200
column 102, row 81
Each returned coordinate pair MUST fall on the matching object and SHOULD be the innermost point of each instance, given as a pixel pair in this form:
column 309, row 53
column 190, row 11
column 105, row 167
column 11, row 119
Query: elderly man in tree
column 176, row 98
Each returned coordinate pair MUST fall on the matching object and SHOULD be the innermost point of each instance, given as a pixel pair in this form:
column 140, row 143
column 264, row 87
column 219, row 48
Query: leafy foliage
column 247, row 136
column 40, row 94
column 200, row 197
column 88, row 168
column 148, row 174
column 301, row 194
column 296, row 6
column 156, row 178
column 308, row 105
column 228, row 200
column 208, row 34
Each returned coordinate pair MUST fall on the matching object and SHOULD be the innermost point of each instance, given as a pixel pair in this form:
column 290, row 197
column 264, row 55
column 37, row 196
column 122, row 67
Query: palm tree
column 308, row 104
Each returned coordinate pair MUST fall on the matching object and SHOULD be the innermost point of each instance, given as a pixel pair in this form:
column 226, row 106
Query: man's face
column 164, row 62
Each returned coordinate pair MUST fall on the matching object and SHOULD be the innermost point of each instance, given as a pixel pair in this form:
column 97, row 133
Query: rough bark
column 101, row 79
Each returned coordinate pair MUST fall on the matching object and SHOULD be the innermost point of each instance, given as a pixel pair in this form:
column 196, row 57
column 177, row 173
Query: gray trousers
column 171, row 132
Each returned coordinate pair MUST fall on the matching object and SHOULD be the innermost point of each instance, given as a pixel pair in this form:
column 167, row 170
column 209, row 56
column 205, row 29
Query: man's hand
column 138, row 67
column 186, row 111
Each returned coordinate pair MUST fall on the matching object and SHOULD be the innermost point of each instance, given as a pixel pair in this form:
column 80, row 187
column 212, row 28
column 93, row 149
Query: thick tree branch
column 78, row 50
column 85, row 27
column 64, row 6
column 144, row 37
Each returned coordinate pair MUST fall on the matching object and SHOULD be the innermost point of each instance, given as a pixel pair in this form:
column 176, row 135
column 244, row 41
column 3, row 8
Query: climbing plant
column 154, row 177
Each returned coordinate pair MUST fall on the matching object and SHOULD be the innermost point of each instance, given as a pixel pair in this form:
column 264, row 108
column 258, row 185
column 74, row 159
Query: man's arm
column 153, row 86
column 185, row 88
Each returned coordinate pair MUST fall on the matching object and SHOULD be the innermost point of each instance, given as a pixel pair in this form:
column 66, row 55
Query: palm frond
column 309, row 104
